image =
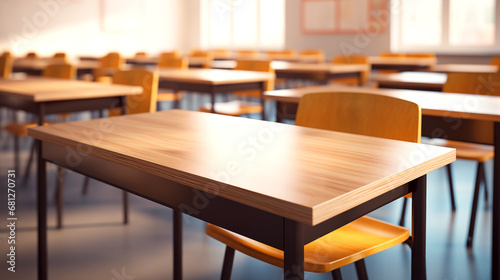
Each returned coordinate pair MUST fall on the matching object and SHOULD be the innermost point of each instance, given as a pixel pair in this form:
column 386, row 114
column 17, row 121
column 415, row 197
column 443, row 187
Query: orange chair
column 6, row 64
column 312, row 55
column 359, row 113
column 168, row 95
column 109, row 64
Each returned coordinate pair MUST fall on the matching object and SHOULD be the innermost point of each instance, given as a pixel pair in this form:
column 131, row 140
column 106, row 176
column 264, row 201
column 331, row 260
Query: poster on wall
column 344, row 16
column 122, row 15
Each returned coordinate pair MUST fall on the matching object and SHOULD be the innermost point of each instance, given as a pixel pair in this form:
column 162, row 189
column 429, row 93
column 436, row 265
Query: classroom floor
column 94, row 244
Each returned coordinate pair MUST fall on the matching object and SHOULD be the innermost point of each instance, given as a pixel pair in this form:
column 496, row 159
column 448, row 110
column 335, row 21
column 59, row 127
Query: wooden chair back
column 421, row 55
column 361, row 113
column 141, row 54
column 173, row 62
column 60, row 70
column 255, row 65
column 32, row 55
column 6, row 64
column 352, row 59
column 315, row 55
column 391, row 54
column 247, row 53
column 172, row 54
column 141, row 103
column 60, row 55
column 495, row 61
column 473, row 83
column 112, row 60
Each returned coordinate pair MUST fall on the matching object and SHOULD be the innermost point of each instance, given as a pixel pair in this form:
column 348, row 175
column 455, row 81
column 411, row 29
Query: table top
column 41, row 89
column 421, row 79
column 41, row 63
column 213, row 76
column 471, row 68
column 432, row 103
column 283, row 66
column 417, row 61
column 307, row 175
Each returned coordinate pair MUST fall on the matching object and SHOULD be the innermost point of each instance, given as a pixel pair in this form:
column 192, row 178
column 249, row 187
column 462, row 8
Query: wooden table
column 306, row 183
column 213, row 81
column 411, row 80
column 401, row 63
column 463, row 117
column 307, row 71
column 35, row 66
column 464, row 68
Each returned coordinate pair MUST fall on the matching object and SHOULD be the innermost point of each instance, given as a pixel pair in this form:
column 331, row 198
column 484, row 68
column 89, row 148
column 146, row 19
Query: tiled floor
column 95, row 245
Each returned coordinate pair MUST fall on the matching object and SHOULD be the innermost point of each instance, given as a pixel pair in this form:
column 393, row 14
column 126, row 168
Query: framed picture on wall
column 122, row 15
column 344, row 16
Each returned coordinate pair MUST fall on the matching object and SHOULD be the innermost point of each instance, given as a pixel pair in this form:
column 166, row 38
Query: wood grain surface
column 38, row 89
column 307, row 175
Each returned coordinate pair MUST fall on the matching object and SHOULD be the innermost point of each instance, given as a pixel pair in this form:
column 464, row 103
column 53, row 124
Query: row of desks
column 187, row 154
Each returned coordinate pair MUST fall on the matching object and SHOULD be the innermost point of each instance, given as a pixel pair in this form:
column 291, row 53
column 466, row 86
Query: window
column 451, row 26
column 239, row 24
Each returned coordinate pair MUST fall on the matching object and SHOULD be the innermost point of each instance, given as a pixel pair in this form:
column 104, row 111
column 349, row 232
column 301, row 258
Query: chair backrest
column 495, row 61
column 112, row 60
column 60, row 70
column 221, row 52
column 173, row 62
column 247, row 53
column 141, row 54
column 60, row 55
column 141, row 103
column 172, row 54
column 31, row 55
column 315, row 55
column 473, row 83
column 283, row 53
column 200, row 53
column 255, row 65
column 361, row 113
column 6, row 64
column 352, row 59
column 421, row 55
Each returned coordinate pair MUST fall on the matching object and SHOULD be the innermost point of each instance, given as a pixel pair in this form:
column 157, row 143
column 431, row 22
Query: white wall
column 334, row 44
column 75, row 26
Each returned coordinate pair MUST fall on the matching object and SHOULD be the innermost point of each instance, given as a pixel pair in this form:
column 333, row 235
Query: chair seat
column 20, row 129
column 164, row 95
column 233, row 108
column 350, row 243
column 465, row 150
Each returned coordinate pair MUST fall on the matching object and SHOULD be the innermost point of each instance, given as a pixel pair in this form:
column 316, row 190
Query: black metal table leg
column 418, row 256
column 177, row 245
column 42, row 205
column 495, row 258
column 294, row 250
column 262, row 101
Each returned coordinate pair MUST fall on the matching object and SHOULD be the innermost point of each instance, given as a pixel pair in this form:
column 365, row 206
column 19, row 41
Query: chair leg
column 27, row 170
column 59, row 195
column 227, row 267
column 450, row 180
column 470, row 235
column 85, row 187
column 483, row 179
column 125, row 207
column 361, row 269
column 16, row 153
column 336, row 275
column 403, row 212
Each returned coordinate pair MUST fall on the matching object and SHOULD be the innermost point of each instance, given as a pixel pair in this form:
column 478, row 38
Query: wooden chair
column 60, row 55
column 313, row 55
column 32, row 55
column 471, row 83
column 109, row 64
column 208, row 57
column 285, row 54
column 245, row 54
column 6, row 64
column 142, row 103
column 171, row 54
column 238, row 107
column 359, row 113
column 352, row 59
column 141, row 54
column 168, row 95
column 495, row 61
